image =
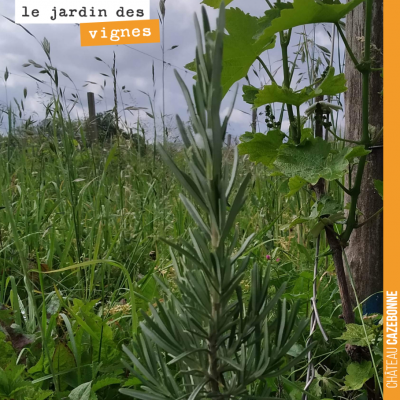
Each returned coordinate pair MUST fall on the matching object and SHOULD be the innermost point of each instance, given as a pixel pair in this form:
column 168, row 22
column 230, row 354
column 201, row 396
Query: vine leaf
column 250, row 93
column 240, row 48
column 328, row 221
column 357, row 375
column 325, row 211
column 306, row 133
column 295, row 184
column 323, row 384
column 303, row 12
column 325, row 206
column 263, row 148
column 355, row 335
column 357, row 152
column 247, row 137
column 266, row 21
column 215, row 3
column 311, row 160
column 330, row 86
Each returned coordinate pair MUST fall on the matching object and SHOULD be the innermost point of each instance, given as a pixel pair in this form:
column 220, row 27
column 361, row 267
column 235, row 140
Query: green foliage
column 107, row 129
column 306, row 162
column 11, row 380
column 311, row 160
column 357, row 375
column 98, row 332
column 114, row 202
column 63, row 361
column 215, row 3
column 249, row 93
column 325, row 211
column 38, row 394
column 357, row 152
column 295, row 184
column 325, row 385
column 82, row 392
column 240, row 47
column 221, row 342
column 263, row 148
column 104, row 382
column 303, row 12
column 355, row 335
column 250, row 36
column 331, row 85
column 6, row 351
column 324, row 207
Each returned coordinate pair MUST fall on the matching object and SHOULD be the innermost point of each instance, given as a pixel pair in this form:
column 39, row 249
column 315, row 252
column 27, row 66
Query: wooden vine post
column 93, row 133
column 365, row 249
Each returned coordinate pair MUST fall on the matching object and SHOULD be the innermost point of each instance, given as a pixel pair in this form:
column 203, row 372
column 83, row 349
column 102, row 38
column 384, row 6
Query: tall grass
column 80, row 227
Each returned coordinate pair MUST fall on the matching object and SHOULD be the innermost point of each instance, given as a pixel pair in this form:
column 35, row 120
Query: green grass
column 91, row 219
column 106, row 208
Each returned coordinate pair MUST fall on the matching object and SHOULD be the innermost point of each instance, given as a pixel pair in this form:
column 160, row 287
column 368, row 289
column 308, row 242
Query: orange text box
column 391, row 271
column 121, row 32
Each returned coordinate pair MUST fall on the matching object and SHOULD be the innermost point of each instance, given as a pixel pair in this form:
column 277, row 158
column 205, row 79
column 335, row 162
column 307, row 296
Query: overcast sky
column 134, row 67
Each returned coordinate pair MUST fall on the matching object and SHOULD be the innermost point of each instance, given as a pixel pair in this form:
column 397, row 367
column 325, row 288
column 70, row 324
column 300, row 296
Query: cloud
column 134, row 63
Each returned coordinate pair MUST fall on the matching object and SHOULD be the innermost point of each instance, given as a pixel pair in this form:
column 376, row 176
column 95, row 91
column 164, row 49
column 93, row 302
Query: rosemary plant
column 209, row 340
